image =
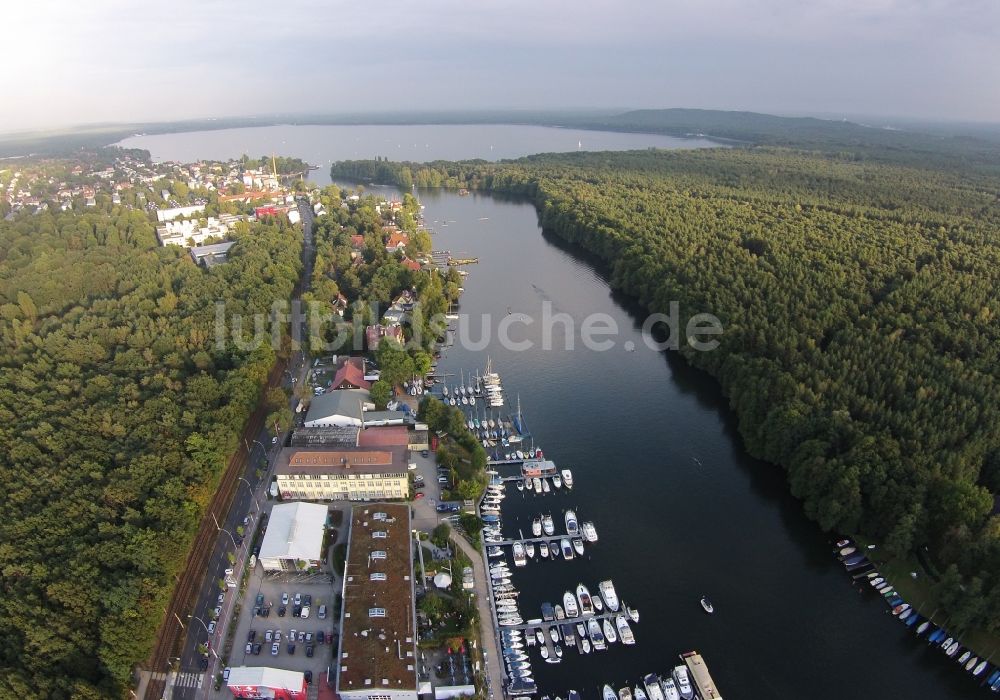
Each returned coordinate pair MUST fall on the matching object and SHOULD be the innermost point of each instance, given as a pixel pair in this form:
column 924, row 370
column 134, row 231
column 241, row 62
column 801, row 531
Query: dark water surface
column 321, row 145
column 680, row 508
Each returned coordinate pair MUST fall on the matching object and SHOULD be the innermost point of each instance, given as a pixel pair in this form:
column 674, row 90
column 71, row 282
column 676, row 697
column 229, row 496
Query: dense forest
column 860, row 305
column 117, row 412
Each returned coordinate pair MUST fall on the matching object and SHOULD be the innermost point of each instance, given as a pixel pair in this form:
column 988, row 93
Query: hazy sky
column 78, row 61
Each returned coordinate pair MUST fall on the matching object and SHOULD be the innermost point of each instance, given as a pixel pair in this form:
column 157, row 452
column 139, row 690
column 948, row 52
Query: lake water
column 322, row 145
column 681, row 509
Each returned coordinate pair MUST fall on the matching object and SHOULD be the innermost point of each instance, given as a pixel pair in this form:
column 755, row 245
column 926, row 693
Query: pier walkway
column 546, row 539
column 568, row 621
column 487, row 620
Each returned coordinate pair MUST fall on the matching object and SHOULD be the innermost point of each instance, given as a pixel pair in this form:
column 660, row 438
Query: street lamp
column 222, row 529
column 252, row 495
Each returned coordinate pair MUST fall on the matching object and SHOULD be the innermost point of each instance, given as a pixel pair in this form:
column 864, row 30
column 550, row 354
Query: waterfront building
column 343, row 474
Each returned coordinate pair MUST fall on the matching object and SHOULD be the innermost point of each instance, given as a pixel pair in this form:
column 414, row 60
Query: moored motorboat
column 624, row 631
column 707, row 606
column 536, row 484
column 554, row 549
column 669, row 689
column 520, row 558
column 543, row 550
column 624, row 693
column 572, row 527
column 683, row 683
column 567, row 478
column 557, row 481
column 609, row 631
column 632, row 613
column 980, row 668
column 569, row 604
column 971, row 663
column 640, row 694
column 560, row 613
column 529, row 549
column 548, row 527
column 608, row 694
column 585, row 645
column 578, row 546
column 953, row 649
column 589, row 532
column 567, row 548
column 595, row 634
column 536, row 527
column 965, row 656
column 598, row 603
column 607, row 591
column 653, row 689
column 545, row 486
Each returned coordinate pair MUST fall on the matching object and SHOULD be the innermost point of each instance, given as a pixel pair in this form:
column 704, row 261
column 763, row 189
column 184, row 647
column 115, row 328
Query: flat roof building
column 338, row 408
column 294, row 535
column 344, row 474
column 377, row 653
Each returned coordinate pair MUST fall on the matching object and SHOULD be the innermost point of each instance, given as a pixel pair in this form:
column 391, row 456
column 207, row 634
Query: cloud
column 116, row 60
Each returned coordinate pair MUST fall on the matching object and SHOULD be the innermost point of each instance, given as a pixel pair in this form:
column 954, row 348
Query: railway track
column 170, row 634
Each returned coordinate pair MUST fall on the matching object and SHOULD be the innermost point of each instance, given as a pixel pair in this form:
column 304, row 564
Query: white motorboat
column 706, row 605
column 971, row 663
column 589, row 532
column 536, row 527
column 585, row 645
column 494, row 552
column 624, row 631
column 519, row 455
column 581, row 629
column 529, row 549
column 578, row 546
column 567, row 548
column 553, row 550
column 598, row 604
column 652, row 683
column 572, row 527
column 964, row 657
column 607, row 590
column 543, row 550
column 609, row 631
column 545, row 652
column 520, row 558
column 953, row 649
column 545, row 486
column 669, row 689
column 548, row 527
column 683, row 683
column 560, row 613
column 540, row 636
column 608, row 694
column 633, row 614
column 558, row 650
column 536, row 484
column 624, row 693
column 640, row 694
column 595, row 634
column 569, row 603
column 557, row 481
column 567, row 478
column 876, row 581
column 554, row 633
column 586, row 602
column 520, row 485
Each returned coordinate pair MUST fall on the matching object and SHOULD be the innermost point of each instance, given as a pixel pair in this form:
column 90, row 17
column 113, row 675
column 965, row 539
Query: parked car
column 309, row 651
column 222, row 597
column 291, row 648
column 216, row 611
column 298, row 599
column 203, row 663
column 274, row 649
column 309, row 636
column 277, row 635
column 256, row 649
column 281, row 611
column 251, row 635
column 284, row 599
column 211, row 627
column 320, row 637
column 308, row 674
column 425, row 453
column 260, row 599
column 305, row 611
column 225, row 674
column 322, row 613
column 249, row 648
column 307, row 599
column 291, row 635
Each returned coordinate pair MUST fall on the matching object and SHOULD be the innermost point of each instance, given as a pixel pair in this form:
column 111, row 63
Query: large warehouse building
column 377, row 654
column 294, row 535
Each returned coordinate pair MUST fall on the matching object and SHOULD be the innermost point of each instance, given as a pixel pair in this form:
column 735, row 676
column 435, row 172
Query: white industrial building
column 178, row 212
column 294, row 535
column 342, row 408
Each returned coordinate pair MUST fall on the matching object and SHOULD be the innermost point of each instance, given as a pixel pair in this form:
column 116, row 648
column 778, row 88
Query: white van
column 305, row 612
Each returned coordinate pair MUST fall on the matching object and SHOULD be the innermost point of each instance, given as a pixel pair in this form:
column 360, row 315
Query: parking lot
column 289, row 601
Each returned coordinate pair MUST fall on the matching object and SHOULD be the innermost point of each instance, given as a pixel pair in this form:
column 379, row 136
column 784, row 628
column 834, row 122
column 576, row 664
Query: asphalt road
column 243, row 505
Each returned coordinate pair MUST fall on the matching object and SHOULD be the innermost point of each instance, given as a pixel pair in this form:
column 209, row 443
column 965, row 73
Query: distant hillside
column 961, row 146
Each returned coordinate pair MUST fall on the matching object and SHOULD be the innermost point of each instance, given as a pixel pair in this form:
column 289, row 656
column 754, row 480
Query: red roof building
column 357, row 242
column 396, row 242
column 411, row 264
column 385, row 436
column 351, row 375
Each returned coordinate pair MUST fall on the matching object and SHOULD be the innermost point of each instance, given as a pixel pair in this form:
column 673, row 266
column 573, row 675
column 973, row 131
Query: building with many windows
column 342, row 474
column 376, row 657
